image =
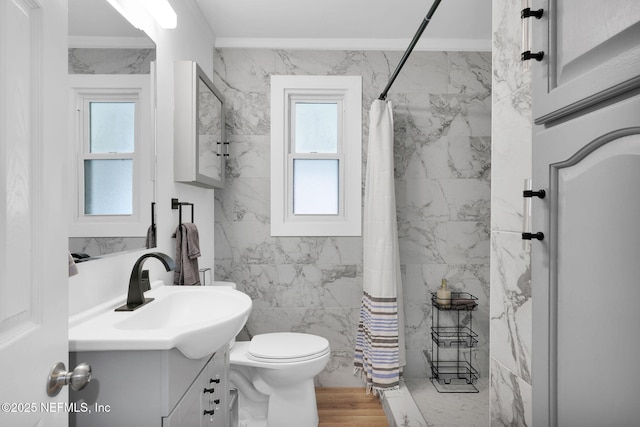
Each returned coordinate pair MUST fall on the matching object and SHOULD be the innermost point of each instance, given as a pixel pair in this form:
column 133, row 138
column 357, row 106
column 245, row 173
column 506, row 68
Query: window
column 111, row 117
column 316, row 155
column 107, row 157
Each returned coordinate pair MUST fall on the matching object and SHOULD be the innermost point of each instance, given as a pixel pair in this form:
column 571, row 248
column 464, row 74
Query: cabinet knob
column 209, row 412
column 209, row 390
column 217, row 380
column 528, row 55
column 528, row 193
column 529, row 236
column 528, row 13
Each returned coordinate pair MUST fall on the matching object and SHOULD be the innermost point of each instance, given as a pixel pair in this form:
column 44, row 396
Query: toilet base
column 289, row 407
column 294, row 407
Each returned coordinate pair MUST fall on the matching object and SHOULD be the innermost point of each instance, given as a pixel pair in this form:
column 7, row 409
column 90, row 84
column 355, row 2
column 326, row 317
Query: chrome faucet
column 139, row 281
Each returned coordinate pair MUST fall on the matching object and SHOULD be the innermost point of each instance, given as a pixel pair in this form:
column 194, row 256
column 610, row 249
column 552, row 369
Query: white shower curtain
column 380, row 351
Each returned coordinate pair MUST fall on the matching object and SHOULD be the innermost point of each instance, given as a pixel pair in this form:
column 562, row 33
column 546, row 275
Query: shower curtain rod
column 415, row 39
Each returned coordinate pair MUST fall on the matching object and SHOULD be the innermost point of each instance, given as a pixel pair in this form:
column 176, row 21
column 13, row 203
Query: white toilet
column 274, row 377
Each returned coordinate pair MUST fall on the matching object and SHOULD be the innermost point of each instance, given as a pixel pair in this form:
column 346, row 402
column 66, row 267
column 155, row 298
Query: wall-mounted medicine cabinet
column 199, row 130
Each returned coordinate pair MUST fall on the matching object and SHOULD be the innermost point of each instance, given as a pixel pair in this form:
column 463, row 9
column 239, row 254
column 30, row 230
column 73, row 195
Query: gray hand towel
column 151, row 237
column 187, row 253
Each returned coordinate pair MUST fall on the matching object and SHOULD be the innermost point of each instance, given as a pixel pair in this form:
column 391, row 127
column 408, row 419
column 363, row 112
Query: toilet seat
column 283, row 347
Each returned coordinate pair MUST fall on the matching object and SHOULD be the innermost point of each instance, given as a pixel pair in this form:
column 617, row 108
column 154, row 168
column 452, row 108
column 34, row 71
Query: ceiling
column 97, row 18
column 326, row 24
column 365, row 24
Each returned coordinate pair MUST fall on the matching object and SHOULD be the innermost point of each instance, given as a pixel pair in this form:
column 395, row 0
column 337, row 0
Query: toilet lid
column 282, row 346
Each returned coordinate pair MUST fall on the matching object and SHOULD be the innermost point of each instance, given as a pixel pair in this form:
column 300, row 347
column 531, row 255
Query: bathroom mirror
column 199, row 141
column 103, row 43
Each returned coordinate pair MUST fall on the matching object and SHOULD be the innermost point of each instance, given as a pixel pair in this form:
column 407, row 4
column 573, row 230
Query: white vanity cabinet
column 152, row 388
column 586, row 158
column 591, row 53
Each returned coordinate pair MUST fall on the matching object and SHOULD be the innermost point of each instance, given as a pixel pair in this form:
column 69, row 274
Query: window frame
column 85, row 89
column 346, row 91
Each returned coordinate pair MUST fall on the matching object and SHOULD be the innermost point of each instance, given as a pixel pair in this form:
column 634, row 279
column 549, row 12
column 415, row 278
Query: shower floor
column 418, row 404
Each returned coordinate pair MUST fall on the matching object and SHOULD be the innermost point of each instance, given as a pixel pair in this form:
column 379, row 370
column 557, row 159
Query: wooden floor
column 349, row 407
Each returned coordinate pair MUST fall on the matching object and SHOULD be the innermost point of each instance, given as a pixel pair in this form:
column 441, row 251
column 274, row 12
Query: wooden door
column 586, row 271
column 33, row 201
column 591, row 53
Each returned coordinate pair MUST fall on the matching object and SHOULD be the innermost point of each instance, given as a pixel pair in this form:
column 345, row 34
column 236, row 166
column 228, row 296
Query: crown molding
column 111, row 42
column 468, row 45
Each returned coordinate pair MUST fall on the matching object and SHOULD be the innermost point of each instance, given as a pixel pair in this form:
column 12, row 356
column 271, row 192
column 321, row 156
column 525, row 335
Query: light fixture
column 139, row 11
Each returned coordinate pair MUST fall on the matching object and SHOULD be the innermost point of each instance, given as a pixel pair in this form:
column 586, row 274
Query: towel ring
column 176, row 204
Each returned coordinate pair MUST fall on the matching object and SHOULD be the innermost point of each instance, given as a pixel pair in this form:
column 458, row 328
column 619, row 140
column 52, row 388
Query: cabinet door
column 591, row 53
column 199, row 147
column 216, row 381
column 189, row 411
column 585, row 272
column 205, row 402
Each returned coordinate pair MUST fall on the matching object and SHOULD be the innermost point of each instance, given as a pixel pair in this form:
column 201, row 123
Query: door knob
column 58, row 378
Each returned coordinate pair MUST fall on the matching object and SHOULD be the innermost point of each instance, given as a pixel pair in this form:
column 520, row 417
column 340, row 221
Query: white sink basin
column 197, row 320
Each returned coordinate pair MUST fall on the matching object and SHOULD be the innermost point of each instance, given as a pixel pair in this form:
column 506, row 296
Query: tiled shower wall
column 442, row 114
column 510, row 390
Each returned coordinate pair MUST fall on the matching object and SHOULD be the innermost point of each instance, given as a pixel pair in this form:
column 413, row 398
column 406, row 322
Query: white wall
column 104, row 279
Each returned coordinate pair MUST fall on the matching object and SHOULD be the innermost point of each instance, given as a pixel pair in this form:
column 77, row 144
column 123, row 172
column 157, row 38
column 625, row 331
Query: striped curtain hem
column 377, row 356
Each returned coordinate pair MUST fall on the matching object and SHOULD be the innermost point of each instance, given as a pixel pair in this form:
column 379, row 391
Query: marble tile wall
column 96, row 246
column 110, row 61
column 510, row 382
column 442, row 110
